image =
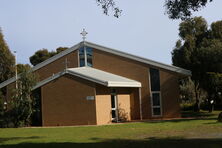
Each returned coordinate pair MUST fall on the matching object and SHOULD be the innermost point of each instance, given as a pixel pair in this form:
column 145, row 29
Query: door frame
column 116, row 106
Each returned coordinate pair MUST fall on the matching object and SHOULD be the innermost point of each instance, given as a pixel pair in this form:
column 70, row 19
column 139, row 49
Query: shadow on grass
column 2, row 140
column 216, row 122
column 180, row 120
column 124, row 143
column 190, row 114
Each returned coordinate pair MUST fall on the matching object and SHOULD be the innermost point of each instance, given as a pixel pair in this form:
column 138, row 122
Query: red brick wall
column 64, row 102
column 140, row 72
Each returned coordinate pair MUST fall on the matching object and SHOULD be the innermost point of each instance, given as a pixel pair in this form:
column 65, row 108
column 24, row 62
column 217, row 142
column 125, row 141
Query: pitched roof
column 115, row 52
column 108, row 50
column 94, row 75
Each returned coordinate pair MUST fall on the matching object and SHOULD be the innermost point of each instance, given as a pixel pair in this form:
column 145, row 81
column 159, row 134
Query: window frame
column 88, row 53
column 114, row 94
column 151, row 96
column 156, row 106
column 85, row 57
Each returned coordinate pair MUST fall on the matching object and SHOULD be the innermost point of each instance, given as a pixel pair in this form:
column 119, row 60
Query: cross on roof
column 84, row 33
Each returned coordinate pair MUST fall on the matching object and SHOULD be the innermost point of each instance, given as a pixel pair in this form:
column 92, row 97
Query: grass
column 204, row 132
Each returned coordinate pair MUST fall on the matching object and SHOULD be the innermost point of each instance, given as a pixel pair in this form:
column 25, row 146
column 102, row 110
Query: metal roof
column 108, row 50
column 94, row 75
column 102, row 77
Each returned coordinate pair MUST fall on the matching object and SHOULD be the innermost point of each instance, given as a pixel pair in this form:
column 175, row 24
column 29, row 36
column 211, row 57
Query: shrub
column 187, row 106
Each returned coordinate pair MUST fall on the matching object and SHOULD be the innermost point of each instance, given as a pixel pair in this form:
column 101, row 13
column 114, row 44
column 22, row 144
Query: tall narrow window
column 155, row 79
column 155, row 92
column 89, row 56
column 85, row 56
column 81, row 57
column 114, row 107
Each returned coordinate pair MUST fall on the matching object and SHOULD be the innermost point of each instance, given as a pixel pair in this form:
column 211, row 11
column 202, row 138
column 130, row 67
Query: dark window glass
column 155, row 79
column 81, row 57
column 113, row 105
column 89, row 56
column 113, row 113
column 156, row 99
column 156, row 111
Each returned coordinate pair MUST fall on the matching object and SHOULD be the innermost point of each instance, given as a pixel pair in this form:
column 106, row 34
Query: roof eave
column 109, row 50
column 123, row 84
column 140, row 59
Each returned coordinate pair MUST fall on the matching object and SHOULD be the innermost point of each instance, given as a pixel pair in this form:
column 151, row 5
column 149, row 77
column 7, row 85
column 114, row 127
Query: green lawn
column 204, row 132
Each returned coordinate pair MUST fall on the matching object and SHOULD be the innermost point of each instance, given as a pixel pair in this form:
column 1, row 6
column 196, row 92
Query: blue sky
column 143, row 29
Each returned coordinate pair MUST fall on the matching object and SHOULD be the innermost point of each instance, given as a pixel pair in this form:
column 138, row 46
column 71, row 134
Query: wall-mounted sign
column 90, row 98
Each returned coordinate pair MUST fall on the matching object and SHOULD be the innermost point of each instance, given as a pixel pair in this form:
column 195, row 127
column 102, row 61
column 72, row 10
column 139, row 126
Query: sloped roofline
column 116, row 52
column 107, row 83
column 108, row 50
column 140, row 59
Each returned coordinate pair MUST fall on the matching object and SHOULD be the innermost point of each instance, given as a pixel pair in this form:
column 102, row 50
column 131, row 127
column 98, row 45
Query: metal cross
column 84, row 33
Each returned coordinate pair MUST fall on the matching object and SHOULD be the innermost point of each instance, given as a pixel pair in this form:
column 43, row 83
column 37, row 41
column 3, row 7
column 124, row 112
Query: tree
column 187, row 91
column 176, row 9
column 60, row 49
column 2, row 111
column 22, row 103
column 23, row 67
column 7, row 60
column 191, row 33
column 43, row 54
column 40, row 56
column 107, row 5
column 197, row 49
column 182, row 9
column 213, row 85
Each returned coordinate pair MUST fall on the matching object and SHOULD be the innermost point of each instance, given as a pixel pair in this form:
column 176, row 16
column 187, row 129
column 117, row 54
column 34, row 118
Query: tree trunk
column 219, row 117
column 210, row 108
column 197, row 104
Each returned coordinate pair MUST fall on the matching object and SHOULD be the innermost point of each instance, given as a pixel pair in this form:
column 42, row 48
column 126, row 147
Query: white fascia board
column 105, row 49
column 55, row 76
column 124, row 84
column 9, row 81
column 57, row 56
column 140, row 59
column 104, row 83
column 42, row 64
column 88, row 78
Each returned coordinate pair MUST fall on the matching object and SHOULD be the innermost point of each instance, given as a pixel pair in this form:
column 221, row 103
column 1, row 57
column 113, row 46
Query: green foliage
column 186, row 106
column 4, row 115
column 176, row 9
column 187, row 93
column 23, row 67
column 36, row 108
column 182, row 9
column 200, row 50
column 44, row 54
column 214, row 86
column 60, row 49
column 109, row 4
column 7, row 60
column 22, row 102
column 203, row 132
column 40, row 56
column 1, row 110
column 216, row 28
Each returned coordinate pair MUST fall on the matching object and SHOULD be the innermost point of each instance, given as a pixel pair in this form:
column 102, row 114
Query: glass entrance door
column 114, row 107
